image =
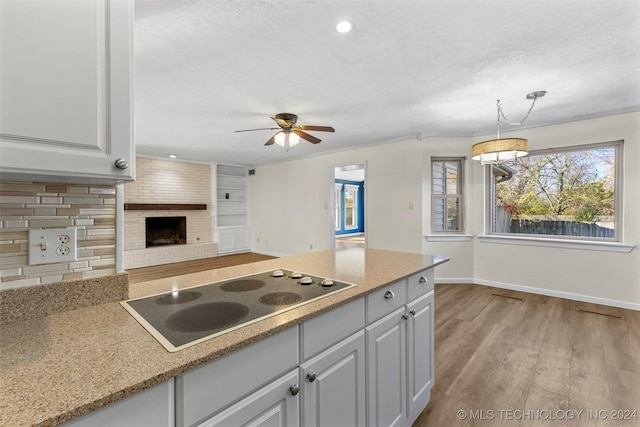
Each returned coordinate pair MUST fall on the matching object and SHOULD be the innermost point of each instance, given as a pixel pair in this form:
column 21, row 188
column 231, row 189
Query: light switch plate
column 53, row 245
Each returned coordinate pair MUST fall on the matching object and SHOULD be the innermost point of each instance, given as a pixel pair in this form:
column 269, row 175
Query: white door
column 275, row 405
column 334, row 386
column 420, row 348
column 387, row 374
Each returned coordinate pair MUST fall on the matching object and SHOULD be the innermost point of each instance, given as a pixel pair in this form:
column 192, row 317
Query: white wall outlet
column 52, row 245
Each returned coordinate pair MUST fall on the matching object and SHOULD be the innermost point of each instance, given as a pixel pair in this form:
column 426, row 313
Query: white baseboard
column 542, row 291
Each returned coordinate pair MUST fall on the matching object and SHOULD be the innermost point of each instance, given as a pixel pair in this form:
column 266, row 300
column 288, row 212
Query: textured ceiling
column 432, row 68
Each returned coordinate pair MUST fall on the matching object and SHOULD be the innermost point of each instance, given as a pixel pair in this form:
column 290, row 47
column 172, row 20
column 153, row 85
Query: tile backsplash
column 32, row 205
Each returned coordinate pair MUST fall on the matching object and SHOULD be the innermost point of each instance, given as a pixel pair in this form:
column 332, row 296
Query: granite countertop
column 58, row 367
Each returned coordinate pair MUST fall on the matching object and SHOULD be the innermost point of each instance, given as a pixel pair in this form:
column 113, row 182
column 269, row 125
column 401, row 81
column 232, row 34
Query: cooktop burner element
column 280, row 298
column 243, row 285
column 184, row 317
column 210, row 316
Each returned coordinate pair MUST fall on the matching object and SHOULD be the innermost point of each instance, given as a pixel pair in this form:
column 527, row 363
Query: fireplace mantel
column 165, row 206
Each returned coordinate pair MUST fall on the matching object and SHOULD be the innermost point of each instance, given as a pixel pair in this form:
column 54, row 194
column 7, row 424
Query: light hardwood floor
column 505, row 357
column 143, row 274
column 356, row 240
column 516, row 359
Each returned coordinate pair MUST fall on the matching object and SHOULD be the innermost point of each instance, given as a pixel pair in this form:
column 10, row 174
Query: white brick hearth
column 168, row 254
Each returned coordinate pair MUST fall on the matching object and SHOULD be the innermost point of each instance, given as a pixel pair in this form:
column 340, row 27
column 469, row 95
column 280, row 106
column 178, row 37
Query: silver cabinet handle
column 121, row 164
column 311, row 376
column 405, row 316
column 294, row 389
column 413, row 312
column 422, row 279
column 389, row 295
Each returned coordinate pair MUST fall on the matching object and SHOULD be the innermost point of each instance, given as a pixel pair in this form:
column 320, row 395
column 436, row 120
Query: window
column 446, row 195
column 561, row 193
column 350, row 206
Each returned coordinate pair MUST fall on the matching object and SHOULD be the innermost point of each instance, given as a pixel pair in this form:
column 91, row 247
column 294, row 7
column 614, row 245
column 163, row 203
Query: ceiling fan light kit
column 286, row 139
column 290, row 132
column 500, row 150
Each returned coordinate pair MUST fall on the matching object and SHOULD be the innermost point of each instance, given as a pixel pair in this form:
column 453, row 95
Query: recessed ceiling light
column 344, row 27
column 172, row 156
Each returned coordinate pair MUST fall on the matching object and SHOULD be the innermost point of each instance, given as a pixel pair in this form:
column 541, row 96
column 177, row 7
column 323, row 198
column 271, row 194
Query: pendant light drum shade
column 499, row 150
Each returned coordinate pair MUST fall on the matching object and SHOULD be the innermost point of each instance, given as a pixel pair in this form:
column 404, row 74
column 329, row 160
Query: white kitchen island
column 363, row 356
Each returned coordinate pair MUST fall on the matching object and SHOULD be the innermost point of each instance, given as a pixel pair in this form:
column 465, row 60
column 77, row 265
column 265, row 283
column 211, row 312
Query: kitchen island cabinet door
column 275, row 405
column 66, row 82
column 420, row 351
column 386, row 368
column 334, row 386
column 152, row 407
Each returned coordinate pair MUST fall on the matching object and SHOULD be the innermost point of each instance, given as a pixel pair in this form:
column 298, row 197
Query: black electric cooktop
column 188, row 316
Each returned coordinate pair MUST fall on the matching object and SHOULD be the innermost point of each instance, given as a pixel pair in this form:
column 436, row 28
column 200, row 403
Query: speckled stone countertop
column 58, row 367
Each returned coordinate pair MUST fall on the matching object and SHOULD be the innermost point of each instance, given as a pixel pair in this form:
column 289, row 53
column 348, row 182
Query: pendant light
column 500, row 150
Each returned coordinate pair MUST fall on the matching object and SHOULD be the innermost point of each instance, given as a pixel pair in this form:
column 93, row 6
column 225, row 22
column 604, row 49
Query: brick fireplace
column 165, row 190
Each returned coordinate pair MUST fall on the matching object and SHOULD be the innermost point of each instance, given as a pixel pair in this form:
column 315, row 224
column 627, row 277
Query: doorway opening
column 348, row 206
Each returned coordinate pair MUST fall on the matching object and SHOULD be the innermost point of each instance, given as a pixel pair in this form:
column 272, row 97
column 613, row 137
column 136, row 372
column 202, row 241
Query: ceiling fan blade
column 249, row 130
column 272, row 140
column 316, row 128
column 312, row 139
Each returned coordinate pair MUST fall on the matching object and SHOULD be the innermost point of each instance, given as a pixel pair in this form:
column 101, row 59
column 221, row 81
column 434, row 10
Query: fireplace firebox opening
column 166, row 230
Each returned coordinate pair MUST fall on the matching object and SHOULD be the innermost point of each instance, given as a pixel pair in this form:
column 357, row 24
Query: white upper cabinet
column 66, row 81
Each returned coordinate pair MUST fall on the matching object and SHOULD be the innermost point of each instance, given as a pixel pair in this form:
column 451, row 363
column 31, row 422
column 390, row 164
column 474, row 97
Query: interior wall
column 607, row 277
column 460, row 252
column 289, row 201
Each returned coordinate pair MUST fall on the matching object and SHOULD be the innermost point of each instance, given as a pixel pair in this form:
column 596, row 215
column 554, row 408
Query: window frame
column 460, row 195
column 490, row 195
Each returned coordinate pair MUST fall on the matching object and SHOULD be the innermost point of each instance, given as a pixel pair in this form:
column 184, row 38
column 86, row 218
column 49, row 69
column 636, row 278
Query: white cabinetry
column 66, row 83
column 333, row 382
column 149, row 408
column 420, row 346
column 333, row 390
column 233, row 233
column 203, row 392
column 275, row 405
column 400, row 349
column 387, row 371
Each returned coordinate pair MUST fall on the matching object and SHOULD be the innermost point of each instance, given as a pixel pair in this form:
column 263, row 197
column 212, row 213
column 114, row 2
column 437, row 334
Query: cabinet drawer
column 211, row 387
column 330, row 328
column 384, row 301
column 271, row 405
column 419, row 284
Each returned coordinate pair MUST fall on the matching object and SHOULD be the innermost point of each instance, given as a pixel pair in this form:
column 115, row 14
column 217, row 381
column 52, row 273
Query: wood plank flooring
column 143, row 274
column 530, row 362
column 506, row 358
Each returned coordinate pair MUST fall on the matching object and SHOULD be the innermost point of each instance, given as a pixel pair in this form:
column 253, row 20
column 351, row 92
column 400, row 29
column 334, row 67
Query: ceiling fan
column 290, row 132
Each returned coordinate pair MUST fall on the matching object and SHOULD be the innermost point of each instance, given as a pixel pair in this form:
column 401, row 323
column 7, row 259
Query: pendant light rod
column 533, row 95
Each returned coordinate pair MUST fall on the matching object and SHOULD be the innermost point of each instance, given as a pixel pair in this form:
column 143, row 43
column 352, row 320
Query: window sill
column 589, row 245
column 449, row 237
